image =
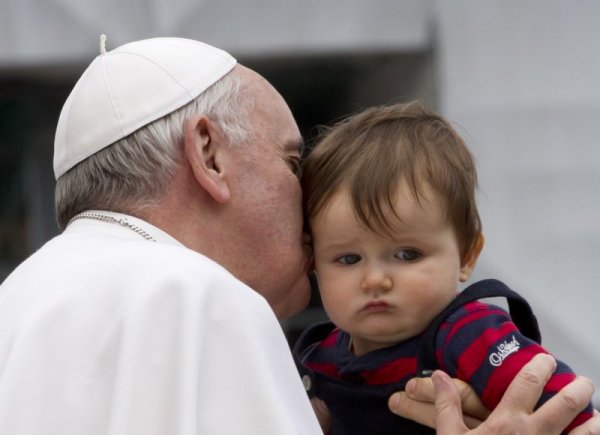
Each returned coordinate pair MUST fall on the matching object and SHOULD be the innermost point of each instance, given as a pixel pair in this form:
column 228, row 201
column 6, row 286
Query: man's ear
column 470, row 259
column 203, row 148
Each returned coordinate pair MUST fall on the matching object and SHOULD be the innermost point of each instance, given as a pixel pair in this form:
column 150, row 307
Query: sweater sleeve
column 480, row 345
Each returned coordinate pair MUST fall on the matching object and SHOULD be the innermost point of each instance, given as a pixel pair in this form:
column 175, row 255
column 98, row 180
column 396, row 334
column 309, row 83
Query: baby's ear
column 470, row 259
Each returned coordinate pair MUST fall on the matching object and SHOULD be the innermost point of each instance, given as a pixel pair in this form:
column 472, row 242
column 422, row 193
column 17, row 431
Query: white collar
column 156, row 233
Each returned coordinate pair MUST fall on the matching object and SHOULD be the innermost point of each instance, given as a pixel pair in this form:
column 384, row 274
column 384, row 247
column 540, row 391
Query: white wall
column 47, row 31
column 522, row 79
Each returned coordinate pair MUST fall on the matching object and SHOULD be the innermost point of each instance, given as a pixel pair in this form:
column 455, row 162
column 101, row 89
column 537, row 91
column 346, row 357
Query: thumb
column 448, row 411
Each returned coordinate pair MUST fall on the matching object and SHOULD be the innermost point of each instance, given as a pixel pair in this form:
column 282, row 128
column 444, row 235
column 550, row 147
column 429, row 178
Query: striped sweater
column 476, row 342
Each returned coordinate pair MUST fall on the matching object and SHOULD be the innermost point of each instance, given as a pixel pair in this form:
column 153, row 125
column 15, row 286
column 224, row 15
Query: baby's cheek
column 424, row 307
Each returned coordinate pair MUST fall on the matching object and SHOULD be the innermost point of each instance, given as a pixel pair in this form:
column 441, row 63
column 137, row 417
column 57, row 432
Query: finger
column 590, row 427
column 448, row 413
column 421, row 412
column 525, row 390
column 554, row 415
column 421, row 389
column 471, row 422
column 471, row 404
column 418, row 403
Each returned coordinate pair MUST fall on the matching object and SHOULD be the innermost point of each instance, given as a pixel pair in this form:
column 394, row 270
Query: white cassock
column 104, row 332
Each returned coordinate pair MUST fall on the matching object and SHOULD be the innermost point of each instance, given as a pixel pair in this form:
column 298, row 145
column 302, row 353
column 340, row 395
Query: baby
column 389, row 196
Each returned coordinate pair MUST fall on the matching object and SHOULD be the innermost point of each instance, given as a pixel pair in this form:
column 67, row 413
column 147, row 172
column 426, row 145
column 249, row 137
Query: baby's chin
column 380, row 339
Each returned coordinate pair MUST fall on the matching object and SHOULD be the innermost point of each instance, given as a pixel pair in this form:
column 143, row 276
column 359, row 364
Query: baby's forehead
column 404, row 206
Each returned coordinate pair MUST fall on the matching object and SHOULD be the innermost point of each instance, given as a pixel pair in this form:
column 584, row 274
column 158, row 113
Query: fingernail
column 395, row 400
column 410, row 386
column 439, row 380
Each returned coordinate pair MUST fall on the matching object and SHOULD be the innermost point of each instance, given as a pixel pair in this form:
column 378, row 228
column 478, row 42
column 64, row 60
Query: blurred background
column 519, row 78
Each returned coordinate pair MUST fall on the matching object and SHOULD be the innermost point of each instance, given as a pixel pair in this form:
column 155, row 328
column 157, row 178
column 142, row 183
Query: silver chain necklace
column 121, row 221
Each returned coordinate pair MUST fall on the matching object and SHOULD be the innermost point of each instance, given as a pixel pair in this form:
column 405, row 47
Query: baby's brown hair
column 370, row 153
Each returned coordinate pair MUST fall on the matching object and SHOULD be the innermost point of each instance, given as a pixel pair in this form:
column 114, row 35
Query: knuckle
column 516, row 425
column 530, row 378
column 571, row 402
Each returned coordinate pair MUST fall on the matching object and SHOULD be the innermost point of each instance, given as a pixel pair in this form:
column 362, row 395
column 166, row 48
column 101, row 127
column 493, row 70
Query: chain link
column 121, row 221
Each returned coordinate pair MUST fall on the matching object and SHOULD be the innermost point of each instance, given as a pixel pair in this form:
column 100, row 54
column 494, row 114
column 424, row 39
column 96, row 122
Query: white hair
column 135, row 172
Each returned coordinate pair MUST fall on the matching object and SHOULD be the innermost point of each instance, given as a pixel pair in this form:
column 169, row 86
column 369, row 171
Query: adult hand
column 514, row 414
column 417, row 402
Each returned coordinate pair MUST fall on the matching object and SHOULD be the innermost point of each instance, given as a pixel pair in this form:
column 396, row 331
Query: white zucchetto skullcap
column 129, row 87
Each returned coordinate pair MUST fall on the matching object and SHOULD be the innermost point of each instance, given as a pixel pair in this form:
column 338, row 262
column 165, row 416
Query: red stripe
column 328, row 369
column 580, row 419
column 331, row 339
column 472, row 357
column 558, row 382
column 502, row 376
column 473, row 316
column 391, row 372
column 471, row 307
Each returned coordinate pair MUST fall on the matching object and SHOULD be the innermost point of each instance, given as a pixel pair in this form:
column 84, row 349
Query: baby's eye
column 348, row 259
column 408, row 255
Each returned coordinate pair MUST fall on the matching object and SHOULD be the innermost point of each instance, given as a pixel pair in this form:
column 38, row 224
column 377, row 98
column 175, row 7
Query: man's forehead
column 272, row 113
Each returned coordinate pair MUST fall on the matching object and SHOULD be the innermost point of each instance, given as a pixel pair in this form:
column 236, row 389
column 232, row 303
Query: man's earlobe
column 470, row 259
column 202, row 149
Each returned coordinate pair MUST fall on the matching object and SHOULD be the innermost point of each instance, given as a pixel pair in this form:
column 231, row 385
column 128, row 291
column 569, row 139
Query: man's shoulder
column 119, row 268
column 123, row 280
column 132, row 253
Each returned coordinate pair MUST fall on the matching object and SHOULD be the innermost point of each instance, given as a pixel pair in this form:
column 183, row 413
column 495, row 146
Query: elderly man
column 154, row 312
